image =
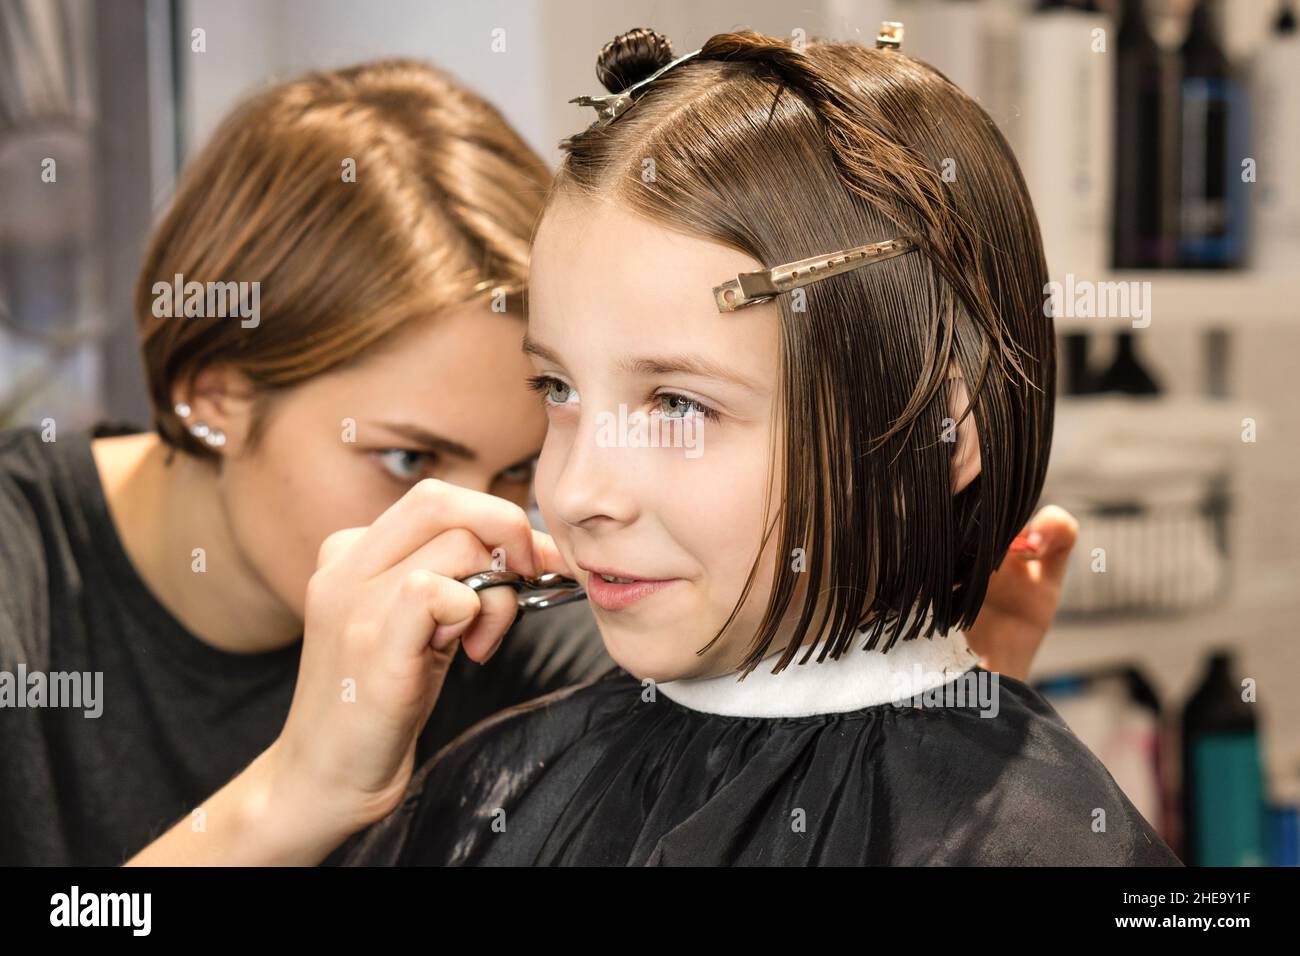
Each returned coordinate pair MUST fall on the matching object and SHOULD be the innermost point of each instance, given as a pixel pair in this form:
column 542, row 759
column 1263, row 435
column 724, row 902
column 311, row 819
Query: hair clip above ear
column 749, row 288
column 611, row 106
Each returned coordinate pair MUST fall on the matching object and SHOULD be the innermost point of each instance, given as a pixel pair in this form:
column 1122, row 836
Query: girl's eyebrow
column 685, row 365
column 532, row 347
column 657, row 365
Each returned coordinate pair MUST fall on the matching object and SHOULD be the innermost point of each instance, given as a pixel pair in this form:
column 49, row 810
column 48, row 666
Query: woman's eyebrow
column 428, row 441
column 657, row 365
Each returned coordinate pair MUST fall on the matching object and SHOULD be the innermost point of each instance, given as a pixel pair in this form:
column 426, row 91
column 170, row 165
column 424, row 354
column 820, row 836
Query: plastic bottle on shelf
column 1065, row 133
column 1224, row 809
column 1126, row 374
column 1078, row 378
column 1284, row 824
column 1213, row 144
column 1275, row 245
column 1145, row 227
column 976, row 43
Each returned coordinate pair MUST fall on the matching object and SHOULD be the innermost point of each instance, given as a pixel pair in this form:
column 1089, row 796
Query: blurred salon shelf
column 1150, row 482
column 1260, row 607
column 1191, row 298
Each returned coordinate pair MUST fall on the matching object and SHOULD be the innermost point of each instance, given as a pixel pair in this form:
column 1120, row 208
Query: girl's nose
column 598, row 479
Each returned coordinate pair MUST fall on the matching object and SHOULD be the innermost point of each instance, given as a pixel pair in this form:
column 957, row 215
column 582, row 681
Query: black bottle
column 1078, row 378
column 1126, row 374
column 1144, row 227
column 1212, row 145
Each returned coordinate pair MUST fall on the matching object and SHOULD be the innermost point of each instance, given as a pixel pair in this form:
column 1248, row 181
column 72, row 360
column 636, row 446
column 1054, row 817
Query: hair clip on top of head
column 890, row 36
column 611, row 106
column 750, row 288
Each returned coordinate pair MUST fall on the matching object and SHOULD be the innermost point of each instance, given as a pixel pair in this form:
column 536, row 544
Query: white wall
column 252, row 44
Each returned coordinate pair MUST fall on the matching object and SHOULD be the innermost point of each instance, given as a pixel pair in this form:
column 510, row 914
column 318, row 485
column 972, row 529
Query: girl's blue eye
column 403, row 463
column 669, row 402
column 672, row 402
column 547, row 386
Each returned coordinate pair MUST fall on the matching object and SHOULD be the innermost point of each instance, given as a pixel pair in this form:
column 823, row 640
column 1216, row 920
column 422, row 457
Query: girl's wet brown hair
column 441, row 212
column 785, row 154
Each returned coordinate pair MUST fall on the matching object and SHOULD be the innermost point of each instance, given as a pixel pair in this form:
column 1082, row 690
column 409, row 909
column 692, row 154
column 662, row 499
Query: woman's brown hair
column 785, row 154
column 361, row 200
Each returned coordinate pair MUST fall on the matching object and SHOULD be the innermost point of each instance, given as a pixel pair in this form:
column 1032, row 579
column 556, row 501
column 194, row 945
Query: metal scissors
column 531, row 594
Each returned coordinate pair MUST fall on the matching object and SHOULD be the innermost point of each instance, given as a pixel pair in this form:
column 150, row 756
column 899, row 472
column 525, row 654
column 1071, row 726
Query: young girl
column 786, row 596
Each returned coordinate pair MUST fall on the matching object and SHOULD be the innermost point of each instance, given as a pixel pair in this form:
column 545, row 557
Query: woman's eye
column 403, row 463
column 553, row 391
column 679, row 406
column 520, row 473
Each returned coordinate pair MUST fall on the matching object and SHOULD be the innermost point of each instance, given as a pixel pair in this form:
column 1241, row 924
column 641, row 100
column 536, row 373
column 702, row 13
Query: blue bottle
column 1225, row 820
column 1213, row 143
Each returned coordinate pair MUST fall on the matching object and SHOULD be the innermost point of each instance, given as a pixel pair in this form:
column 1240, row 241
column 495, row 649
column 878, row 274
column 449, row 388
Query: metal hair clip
column 611, row 106
column 750, row 288
column 552, row 589
column 890, row 36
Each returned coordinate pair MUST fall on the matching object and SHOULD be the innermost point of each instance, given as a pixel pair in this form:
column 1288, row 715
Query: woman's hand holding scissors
column 385, row 612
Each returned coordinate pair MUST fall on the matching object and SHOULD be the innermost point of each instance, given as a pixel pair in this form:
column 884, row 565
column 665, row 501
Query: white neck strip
column 859, row 678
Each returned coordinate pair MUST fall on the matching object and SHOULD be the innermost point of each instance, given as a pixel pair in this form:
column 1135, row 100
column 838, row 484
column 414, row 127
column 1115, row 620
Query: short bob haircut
column 362, row 200
column 785, row 154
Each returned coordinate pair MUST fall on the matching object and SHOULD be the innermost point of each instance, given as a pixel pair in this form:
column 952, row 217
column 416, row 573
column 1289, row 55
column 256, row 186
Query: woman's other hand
column 1024, row 593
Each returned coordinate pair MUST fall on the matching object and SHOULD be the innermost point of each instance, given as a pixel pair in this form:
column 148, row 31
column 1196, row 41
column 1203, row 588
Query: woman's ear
column 966, row 458
column 219, row 402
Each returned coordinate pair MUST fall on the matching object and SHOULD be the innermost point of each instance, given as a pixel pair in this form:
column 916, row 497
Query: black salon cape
column 595, row 775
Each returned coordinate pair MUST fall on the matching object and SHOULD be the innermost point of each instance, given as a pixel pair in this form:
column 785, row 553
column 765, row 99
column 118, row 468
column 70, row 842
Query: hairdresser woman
column 266, row 676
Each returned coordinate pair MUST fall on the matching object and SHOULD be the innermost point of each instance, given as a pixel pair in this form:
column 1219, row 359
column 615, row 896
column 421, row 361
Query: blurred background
column 1160, row 141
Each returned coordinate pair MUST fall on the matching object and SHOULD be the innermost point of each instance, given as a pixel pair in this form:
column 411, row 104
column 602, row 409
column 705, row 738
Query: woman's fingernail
column 1035, row 539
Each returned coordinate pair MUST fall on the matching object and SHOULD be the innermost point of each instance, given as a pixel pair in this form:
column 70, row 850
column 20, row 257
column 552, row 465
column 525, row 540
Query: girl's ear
column 966, row 459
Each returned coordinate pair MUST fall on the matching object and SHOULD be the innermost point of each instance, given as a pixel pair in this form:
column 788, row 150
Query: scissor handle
column 495, row 579
column 557, row 588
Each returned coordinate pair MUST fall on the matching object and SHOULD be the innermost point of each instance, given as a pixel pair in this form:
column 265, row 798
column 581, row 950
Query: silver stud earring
column 214, row 437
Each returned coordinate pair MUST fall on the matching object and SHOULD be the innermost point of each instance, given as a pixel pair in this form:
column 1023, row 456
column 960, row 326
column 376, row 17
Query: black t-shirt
column 177, row 718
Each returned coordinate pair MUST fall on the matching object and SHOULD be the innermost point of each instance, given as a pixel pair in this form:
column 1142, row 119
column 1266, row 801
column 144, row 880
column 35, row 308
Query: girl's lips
column 615, row 597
